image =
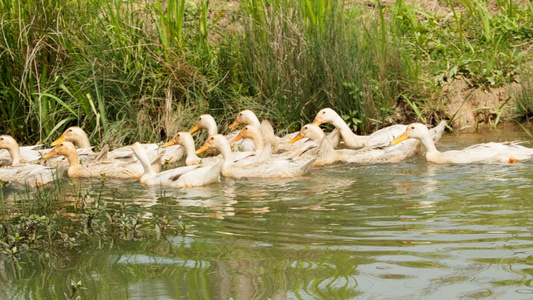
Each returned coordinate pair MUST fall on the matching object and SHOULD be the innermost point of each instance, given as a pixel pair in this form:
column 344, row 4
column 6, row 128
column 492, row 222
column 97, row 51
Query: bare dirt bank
column 469, row 107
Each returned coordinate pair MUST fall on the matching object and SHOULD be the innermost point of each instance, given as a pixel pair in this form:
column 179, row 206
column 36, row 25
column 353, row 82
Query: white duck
column 277, row 168
column 9, row 144
column 507, row 152
column 207, row 122
column 380, row 138
column 326, row 154
column 124, row 154
column 263, row 139
column 246, row 117
column 25, row 154
column 185, row 140
column 280, row 144
column 23, row 173
column 112, row 169
column 189, row 176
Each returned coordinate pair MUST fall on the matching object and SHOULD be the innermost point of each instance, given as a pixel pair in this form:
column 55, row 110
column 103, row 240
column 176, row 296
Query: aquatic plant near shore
column 56, row 218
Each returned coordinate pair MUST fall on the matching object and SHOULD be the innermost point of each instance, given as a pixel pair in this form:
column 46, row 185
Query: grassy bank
column 130, row 71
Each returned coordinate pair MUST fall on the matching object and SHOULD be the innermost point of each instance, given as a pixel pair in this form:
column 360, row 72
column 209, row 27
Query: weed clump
column 55, row 218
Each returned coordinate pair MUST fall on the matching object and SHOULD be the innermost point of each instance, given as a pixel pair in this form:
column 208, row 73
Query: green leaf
column 58, row 101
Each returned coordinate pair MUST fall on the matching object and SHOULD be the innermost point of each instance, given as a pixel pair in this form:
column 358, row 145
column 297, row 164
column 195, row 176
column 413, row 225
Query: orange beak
column 234, row 124
column 400, row 139
column 51, row 153
column 202, row 149
column 194, row 129
column 168, row 144
column 61, row 139
column 296, row 138
column 317, row 122
column 237, row 138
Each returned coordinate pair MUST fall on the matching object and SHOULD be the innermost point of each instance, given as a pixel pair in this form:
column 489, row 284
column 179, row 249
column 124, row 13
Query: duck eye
column 240, row 114
column 412, row 127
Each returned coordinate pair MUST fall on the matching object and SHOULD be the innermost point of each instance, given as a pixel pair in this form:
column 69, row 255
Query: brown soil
column 469, row 107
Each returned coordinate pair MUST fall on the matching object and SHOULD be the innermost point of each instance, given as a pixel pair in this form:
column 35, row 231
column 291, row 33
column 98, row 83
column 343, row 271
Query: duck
column 281, row 144
column 274, row 168
column 380, row 138
column 321, row 148
column 188, row 176
column 263, row 139
column 125, row 154
column 23, row 173
column 111, row 169
column 207, row 122
column 506, row 152
column 25, row 154
column 326, row 154
column 9, row 144
column 246, row 117
column 185, row 139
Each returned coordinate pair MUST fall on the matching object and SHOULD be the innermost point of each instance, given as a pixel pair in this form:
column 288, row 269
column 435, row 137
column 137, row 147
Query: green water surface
column 391, row 231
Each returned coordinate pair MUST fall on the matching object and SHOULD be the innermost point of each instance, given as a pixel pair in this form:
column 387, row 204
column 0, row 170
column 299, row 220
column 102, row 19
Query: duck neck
column 347, row 135
column 339, row 123
column 147, row 167
column 326, row 153
column 212, row 128
column 192, row 159
column 74, row 165
column 188, row 145
column 227, row 155
column 259, row 144
column 254, row 121
column 431, row 149
column 15, row 155
column 212, row 131
column 83, row 141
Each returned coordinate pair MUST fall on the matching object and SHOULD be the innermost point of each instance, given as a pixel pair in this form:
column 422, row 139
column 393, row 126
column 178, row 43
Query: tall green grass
column 302, row 56
column 112, row 67
column 130, row 71
column 484, row 47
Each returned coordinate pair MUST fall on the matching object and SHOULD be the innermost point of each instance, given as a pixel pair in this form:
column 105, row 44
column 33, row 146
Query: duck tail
column 437, row 131
column 268, row 134
column 307, row 167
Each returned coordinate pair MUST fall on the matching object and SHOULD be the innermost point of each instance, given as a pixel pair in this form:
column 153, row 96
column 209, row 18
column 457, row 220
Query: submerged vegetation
column 70, row 217
column 130, row 71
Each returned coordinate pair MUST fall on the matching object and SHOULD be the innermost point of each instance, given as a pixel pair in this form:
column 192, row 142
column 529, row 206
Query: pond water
column 394, row 231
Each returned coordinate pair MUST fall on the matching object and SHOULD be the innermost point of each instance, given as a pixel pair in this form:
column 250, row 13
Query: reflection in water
column 400, row 231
